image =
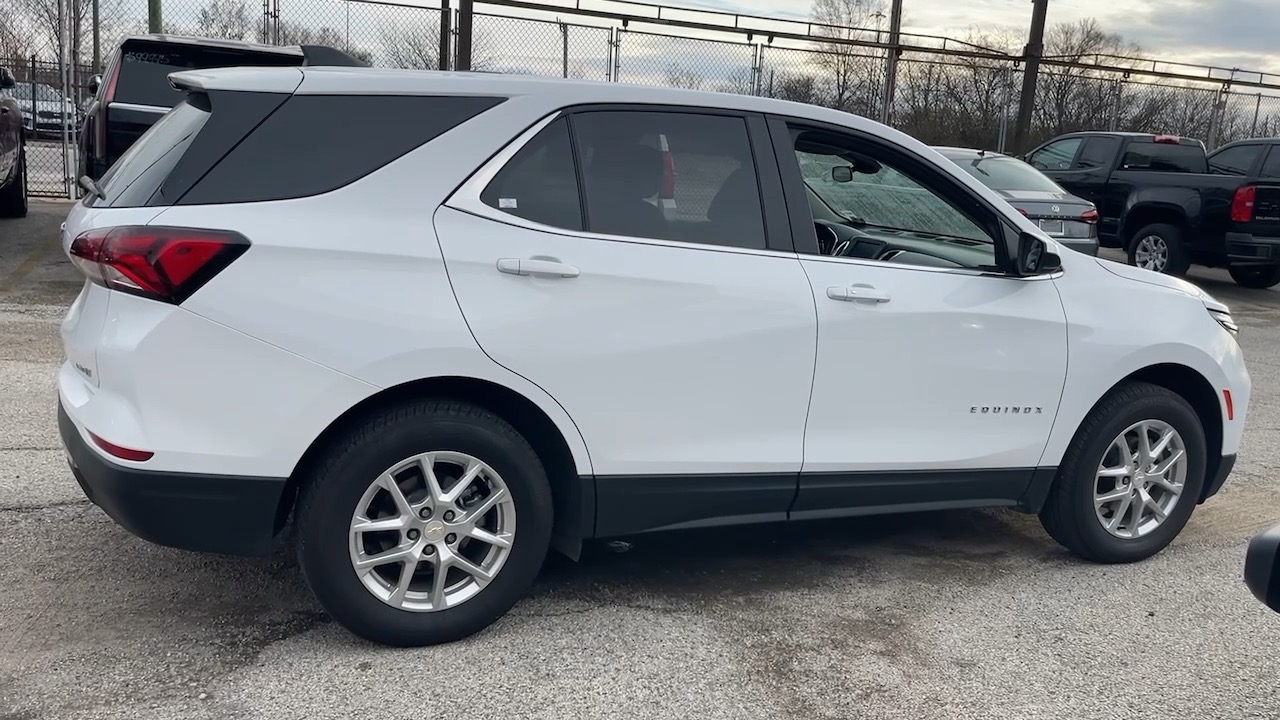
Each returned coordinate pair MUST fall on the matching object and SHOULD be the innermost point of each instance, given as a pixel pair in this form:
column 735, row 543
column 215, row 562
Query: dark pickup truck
column 136, row 91
column 1169, row 205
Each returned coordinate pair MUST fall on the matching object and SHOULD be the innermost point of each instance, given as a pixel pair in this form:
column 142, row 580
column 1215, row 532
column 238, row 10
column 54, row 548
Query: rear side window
column 1097, row 152
column 1271, row 168
column 145, row 68
column 1237, row 160
column 1165, row 157
column 136, row 176
column 314, row 144
column 539, row 184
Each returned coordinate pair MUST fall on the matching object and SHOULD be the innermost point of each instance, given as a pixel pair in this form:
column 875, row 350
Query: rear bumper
column 1247, row 249
column 1088, row 246
column 1215, row 483
column 206, row 513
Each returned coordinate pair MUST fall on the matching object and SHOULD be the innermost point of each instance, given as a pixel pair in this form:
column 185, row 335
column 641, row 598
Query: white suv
column 432, row 320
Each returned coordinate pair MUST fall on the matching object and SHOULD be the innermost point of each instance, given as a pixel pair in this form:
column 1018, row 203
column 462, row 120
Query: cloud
column 1243, row 30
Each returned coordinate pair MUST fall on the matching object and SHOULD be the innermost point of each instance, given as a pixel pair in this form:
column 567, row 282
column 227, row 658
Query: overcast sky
column 1229, row 33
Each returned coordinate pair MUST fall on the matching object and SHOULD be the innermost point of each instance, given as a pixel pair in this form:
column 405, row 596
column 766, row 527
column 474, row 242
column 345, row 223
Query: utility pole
column 97, row 42
column 891, row 60
column 154, row 22
column 466, row 18
column 446, row 14
column 564, row 34
column 1030, row 74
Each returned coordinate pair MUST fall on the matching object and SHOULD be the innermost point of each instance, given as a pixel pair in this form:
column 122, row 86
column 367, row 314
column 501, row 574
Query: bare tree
column 229, row 19
column 16, row 39
column 679, row 77
column 415, row 47
column 854, row 75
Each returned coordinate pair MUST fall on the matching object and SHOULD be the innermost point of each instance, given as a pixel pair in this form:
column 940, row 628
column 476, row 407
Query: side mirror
column 95, row 82
column 842, row 173
column 1033, row 257
column 6, row 79
column 1262, row 568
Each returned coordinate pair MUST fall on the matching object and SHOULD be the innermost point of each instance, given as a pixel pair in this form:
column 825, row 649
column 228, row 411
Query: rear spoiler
column 329, row 56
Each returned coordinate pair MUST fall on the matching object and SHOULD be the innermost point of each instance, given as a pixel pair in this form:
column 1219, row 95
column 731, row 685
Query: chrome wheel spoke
column 427, row 463
column 477, row 573
column 475, row 514
column 1155, row 509
column 406, row 577
column 1155, row 456
column 1120, row 513
column 437, row 597
column 388, row 482
column 395, row 554
column 1164, row 467
column 1144, row 445
column 484, row 536
column 1166, row 438
column 1119, row 493
column 468, row 477
column 364, row 525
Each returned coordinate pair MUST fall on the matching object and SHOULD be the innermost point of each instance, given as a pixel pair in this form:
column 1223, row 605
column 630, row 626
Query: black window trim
column 1273, row 150
column 1003, row 233
column 1061, row 138
column 778, row 235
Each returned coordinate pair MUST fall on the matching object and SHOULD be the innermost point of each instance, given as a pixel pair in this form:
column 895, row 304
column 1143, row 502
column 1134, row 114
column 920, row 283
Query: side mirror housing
column 1262, row 568
column 95, row 82
column 6, row 78
column 1033, row 257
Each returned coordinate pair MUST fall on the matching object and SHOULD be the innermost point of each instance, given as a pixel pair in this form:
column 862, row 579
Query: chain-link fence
column 952, row 93
column 51, row 122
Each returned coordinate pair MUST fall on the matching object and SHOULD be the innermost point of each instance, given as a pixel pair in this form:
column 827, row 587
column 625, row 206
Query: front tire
column 432, row 489
column 1159, row 247
column 1120, row 498
column 1254, row 277
column 13, row 197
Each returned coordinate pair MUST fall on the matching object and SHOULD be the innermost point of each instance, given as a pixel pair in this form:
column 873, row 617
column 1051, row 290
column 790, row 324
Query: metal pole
column 1115, row 108
column 617, row 54
column 63, row 55
column 891, row 60
column 1004, row 109
column 97, row 41
column 466, row 17
column 564, row 36
column 1257, row 107
column 1031, row 56
column 155, row 22
column 446, row 14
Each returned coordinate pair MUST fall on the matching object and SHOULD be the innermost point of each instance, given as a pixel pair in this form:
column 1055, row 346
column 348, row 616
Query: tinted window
column 145, row 68
column 1237, row 160
column 1271, row 168
column 133, row 178
column 1056, row 155
column 670, row 176
column 1165, row 157
column 317, row 143
column 890, row 203
column 1098, row 152
column 539, row 183
column 1006, row 173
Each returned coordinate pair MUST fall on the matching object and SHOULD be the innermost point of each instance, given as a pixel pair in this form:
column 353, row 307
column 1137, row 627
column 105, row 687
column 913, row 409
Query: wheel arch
column 1149, row 213
column 573, row 497
column 1197, row 390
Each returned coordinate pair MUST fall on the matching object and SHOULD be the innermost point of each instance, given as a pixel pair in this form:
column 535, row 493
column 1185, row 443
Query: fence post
column 1005, row 102
column 1257, row 108
column 446, row 14
column 757, row 68
column 617, row 54
column 1115, row 106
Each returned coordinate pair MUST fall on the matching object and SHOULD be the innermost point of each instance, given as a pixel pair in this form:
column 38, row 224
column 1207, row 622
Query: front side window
column 888, row 204
column 1056, row 155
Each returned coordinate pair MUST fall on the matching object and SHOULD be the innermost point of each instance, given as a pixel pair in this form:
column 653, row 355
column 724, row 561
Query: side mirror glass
column 95, row 82
column 1262, row 568
column 1034, row 257
column 842, row 173
column 6, row 78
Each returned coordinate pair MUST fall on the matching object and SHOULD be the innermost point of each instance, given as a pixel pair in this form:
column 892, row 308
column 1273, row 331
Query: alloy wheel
column 1152, row 253
column 432, row 531
column 1140, row 479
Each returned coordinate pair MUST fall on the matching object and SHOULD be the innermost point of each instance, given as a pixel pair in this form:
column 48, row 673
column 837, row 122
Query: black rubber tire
column 328, row 499
column 13, row 197
column 1179, row 261
column 1256, row 277
column 1068, row 514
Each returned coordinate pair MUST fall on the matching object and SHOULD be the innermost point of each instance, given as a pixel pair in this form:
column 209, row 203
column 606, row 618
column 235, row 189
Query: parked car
column 13, row 151
column 1262, row 567
column 136, row 91
column 45, row 110
column 1159, row 201
column 461, row 335
column 1072, row 220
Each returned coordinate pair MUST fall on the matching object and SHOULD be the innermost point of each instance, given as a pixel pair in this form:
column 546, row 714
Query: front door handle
column 537, row 266
column 857, row 293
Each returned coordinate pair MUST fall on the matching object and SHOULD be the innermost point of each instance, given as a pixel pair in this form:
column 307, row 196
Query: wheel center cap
column 433, row 531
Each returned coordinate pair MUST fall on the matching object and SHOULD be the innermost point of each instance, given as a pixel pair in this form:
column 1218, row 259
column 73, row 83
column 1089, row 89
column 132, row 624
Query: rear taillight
column 668, row 176
column 1242, row 204
column 1090, row 216
column 160, row 263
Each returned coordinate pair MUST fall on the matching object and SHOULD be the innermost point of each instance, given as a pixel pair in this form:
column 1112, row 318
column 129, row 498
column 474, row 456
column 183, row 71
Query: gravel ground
column 941, row 615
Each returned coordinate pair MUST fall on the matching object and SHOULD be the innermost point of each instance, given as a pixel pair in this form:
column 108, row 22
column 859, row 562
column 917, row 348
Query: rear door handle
column 857, row 293
column 537, row 266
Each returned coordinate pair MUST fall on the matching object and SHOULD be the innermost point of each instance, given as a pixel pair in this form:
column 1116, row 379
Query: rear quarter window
column 1165, row 157
column 145, row 68
column 135, row 177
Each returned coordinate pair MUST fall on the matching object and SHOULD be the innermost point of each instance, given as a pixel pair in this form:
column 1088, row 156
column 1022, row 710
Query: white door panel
column 931, row 370
column 670, row 359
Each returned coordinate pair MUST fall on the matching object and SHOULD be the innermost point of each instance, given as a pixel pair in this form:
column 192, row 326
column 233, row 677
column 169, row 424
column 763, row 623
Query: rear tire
column 13, row 197
column 342, row 485
column 1159, row 247
column 1257, row 278
column 1072, row 513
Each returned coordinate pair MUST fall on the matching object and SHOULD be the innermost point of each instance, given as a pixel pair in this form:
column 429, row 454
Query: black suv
column 136, row 90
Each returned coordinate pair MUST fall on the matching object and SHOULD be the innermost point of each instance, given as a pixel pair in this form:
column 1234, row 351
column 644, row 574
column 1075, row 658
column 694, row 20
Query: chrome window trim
column 157, row 109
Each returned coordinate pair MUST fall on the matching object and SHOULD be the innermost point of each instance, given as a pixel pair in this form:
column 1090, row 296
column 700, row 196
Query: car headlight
column 1225, row 320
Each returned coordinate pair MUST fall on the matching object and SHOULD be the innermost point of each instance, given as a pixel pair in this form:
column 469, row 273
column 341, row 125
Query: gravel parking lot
column 941, row 615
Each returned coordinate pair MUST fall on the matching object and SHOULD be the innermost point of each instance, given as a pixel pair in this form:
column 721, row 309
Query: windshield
column 43, row 92
column 886, row 198
column 1006, row 173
